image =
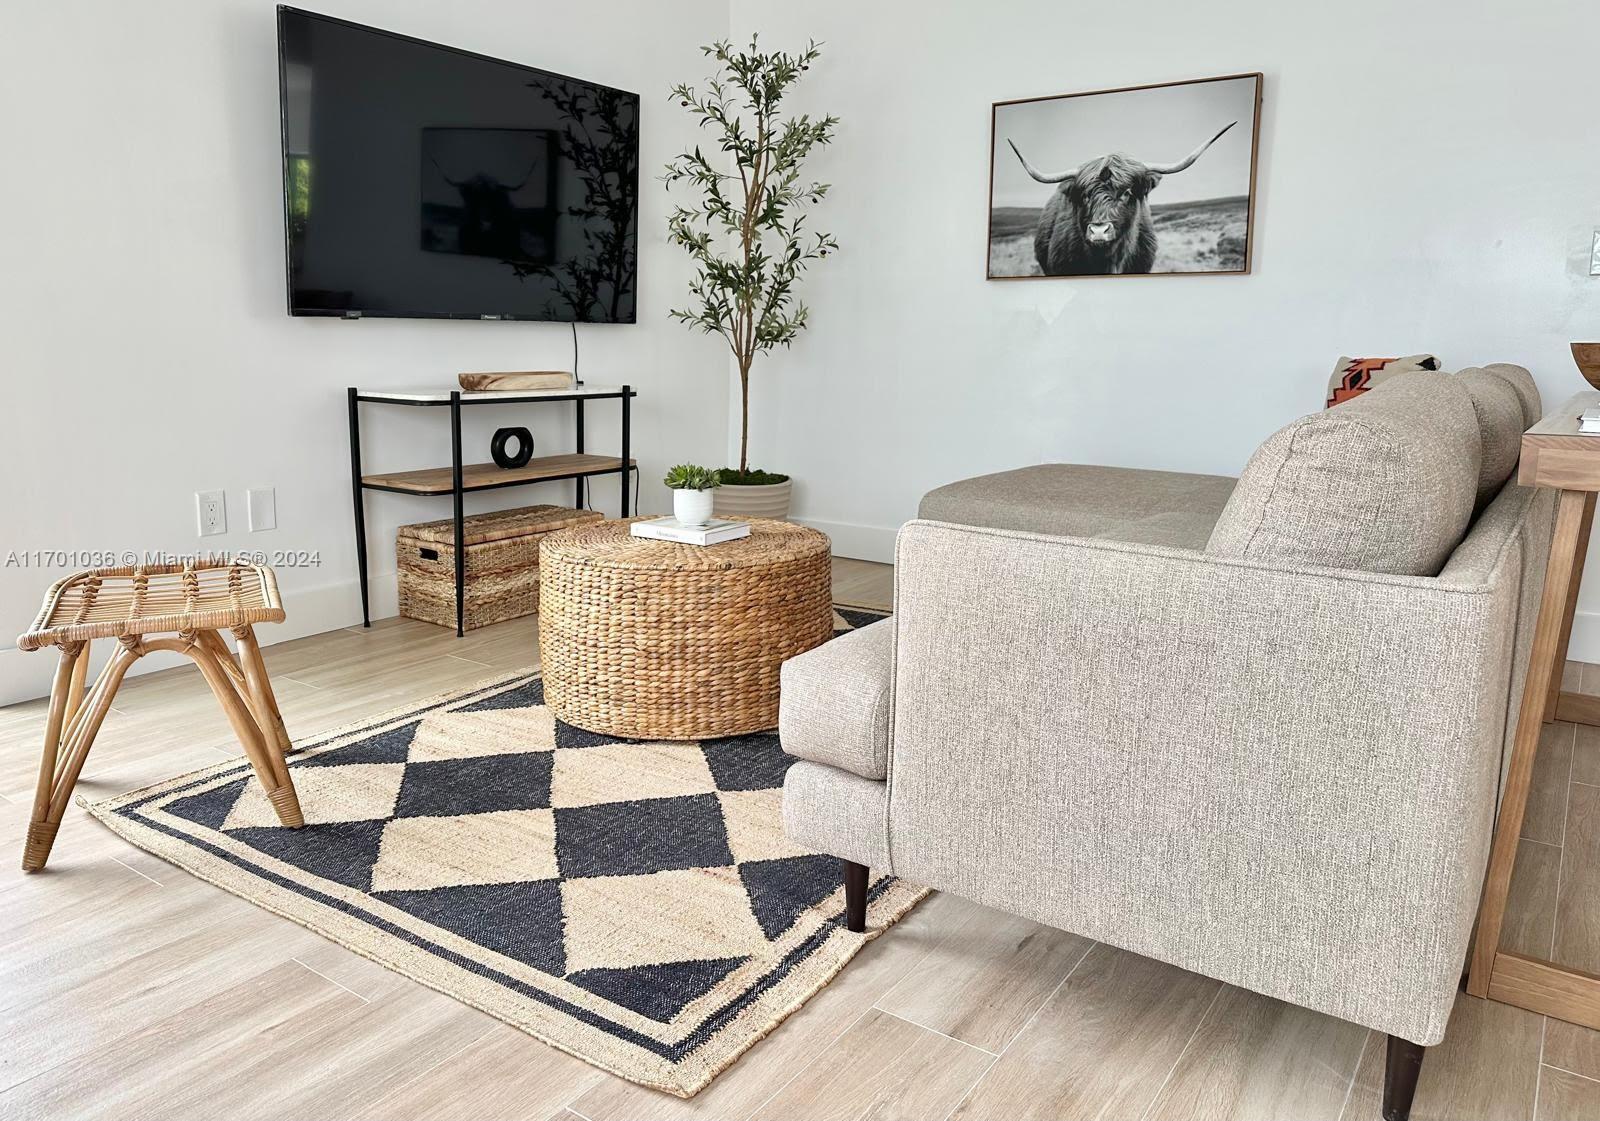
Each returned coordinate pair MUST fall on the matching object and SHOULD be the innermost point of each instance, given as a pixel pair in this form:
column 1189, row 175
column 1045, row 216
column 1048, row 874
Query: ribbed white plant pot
column 691, row 507
column 768, row 501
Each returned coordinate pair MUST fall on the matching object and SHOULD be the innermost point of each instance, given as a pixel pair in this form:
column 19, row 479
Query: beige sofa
column 1251, row 727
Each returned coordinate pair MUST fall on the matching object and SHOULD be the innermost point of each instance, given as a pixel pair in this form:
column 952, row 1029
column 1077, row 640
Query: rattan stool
column 186, row 605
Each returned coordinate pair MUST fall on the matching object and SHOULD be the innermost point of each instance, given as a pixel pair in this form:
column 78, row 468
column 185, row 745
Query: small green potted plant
column 691, row 488
column 745, row 228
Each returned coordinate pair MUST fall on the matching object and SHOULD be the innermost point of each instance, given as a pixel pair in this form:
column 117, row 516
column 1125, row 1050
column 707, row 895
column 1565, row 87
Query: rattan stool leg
column 66, row 749
column 249, row 676
column 42, row 831
column 258, row 746
column 80, row 671
column 259, row 686
column 212, row 641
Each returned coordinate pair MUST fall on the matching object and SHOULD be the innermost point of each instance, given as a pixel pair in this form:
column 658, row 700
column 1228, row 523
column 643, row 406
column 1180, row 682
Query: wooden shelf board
column 482, row 476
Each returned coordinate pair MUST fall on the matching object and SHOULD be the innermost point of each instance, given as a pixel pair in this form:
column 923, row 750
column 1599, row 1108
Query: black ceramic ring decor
column 524, row 442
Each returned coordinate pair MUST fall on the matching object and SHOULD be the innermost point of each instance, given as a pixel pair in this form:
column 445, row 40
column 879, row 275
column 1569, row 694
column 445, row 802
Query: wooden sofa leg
column 1404, row 1063
column 855, row 897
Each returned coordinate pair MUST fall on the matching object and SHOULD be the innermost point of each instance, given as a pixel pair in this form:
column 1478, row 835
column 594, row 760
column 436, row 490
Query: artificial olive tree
column 746, row 231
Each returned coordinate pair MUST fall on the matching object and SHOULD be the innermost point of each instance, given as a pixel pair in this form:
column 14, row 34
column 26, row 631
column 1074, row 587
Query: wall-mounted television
column 422, row 181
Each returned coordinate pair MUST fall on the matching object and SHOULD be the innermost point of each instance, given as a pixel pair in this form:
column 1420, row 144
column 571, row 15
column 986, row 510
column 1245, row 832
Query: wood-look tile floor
column 131, row 989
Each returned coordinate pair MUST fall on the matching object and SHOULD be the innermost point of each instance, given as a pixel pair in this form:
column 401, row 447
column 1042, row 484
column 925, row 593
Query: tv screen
column 422, row 181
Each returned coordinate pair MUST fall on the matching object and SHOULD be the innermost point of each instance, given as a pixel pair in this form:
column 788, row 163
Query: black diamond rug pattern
column 635, row 904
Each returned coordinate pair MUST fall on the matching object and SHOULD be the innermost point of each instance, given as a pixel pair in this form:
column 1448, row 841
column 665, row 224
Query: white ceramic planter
column 692, row 507
column 769, row 501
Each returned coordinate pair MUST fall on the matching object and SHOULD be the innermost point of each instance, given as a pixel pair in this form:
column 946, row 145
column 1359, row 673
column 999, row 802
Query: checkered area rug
column 635, row 904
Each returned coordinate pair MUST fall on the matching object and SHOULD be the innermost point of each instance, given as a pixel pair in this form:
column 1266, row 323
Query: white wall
column 1428, row 182
column 147, row 351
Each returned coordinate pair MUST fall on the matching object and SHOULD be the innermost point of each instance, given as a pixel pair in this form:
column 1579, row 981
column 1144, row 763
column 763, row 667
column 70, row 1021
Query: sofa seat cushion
column 834, row 706
column 1075, row 500
column 1382, row 483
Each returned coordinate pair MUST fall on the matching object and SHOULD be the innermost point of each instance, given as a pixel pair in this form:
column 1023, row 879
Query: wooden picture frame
column 1130, row 226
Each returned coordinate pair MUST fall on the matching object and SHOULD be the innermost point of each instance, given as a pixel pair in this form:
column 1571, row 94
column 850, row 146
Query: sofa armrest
column 835, row 702
column 1280, row 777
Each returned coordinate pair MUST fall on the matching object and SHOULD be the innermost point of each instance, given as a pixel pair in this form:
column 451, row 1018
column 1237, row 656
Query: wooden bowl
column 1587, row 356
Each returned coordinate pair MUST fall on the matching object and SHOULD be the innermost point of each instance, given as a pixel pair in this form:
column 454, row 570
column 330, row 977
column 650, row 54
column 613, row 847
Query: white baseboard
column 1585, row 644
column 25, row 676
column 863, row 542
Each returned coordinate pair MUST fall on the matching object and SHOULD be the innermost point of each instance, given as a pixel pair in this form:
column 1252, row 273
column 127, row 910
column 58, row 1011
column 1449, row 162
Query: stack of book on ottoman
column 671, row 529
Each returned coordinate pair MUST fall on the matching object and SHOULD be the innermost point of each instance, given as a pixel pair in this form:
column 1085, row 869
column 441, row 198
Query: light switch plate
column 261, row 504
column 1594, row 256
column 211, row 512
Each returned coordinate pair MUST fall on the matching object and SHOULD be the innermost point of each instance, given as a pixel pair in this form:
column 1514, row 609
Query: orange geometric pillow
column 1353, row 376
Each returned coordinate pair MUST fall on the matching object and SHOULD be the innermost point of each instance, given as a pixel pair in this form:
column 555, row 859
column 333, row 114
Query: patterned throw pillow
column 1354, row 376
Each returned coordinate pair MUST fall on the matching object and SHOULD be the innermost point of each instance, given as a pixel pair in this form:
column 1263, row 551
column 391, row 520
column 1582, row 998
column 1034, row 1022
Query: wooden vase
column 1587, row 356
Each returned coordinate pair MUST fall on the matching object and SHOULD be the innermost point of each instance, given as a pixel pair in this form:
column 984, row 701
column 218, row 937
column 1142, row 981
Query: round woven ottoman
column 656, row 640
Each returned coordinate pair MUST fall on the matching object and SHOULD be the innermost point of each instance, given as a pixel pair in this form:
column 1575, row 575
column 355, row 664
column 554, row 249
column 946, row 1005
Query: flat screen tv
column 421, row 181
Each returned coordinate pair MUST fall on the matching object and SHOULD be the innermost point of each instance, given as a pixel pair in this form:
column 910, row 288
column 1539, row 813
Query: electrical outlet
column 1594, row 256
column 211, row 507
column 261, row 505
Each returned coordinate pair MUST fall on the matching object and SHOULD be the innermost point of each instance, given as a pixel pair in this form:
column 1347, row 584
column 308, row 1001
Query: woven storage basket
column 502, row 566
column 657, row 640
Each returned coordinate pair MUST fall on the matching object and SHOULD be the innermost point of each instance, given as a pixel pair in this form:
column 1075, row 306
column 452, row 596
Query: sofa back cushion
column 1527, row 392
column 1383, row 483
column 1499, row 409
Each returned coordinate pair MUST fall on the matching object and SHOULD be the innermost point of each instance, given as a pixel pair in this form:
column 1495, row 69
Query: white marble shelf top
column 504, row 396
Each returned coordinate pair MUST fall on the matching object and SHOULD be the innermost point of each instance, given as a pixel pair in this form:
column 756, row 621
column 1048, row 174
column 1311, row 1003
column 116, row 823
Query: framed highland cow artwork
column 1148, row 180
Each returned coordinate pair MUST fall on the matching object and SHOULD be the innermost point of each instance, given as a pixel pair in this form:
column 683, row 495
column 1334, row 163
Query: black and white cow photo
column 1154, row 179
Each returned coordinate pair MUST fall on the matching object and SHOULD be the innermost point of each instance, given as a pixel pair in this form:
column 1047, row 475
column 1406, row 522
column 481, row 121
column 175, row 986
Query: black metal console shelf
column 459, row 479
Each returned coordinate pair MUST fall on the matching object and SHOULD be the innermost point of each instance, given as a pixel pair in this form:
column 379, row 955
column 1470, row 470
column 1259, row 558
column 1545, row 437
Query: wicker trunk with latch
column 502, row 564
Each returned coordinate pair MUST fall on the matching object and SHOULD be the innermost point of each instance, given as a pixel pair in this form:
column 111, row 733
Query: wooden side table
column 1553, row 455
